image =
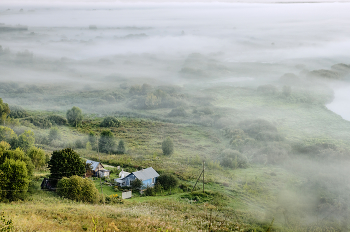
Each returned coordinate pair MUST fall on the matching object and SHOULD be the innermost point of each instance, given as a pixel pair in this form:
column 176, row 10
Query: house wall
column 148, row 183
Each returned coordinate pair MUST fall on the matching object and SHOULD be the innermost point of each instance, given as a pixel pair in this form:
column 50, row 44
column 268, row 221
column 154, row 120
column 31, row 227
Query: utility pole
column 203, row 176
column 99, row 175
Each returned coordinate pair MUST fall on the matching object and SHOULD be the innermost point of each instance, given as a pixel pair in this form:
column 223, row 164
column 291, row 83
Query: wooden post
column 99, row 160
column 203, row 176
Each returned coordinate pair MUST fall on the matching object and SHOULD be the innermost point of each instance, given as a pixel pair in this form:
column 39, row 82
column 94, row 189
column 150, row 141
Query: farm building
column 97, row 169
column 148, row 177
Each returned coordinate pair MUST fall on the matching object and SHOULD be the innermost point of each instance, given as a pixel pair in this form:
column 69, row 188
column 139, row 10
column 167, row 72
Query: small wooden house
column 148, row 177
column 96, row 169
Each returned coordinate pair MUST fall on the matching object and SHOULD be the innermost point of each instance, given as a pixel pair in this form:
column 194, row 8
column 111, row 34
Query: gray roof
column 94, row 164
column 146, row 174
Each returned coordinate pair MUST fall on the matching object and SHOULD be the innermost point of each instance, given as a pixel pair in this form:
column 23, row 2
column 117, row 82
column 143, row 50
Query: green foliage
column 121, row 147
column 261, row 130
column 4, row 111
column 14, row 180
column 38, row 157
column 78, row 189
column 267, row 89
column 167, row 181
column 65, row 163
column 7, row 135
column 110, row 122
column 74, row 116
column 114, row 199
column 92, row 140
column 58, row 120
column 177, row 112
column 26, row 140
column 6, row 225
column 233, row 159
column 168, row 146
column 39, row 122
column 17, row 155
column 106, row 143
column 79, row 144
column 136, row 184
column 54, row 134
column 149, row 191
column 18, row 112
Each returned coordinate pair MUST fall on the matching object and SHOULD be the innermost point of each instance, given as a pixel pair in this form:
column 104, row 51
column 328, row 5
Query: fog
column 214, row 64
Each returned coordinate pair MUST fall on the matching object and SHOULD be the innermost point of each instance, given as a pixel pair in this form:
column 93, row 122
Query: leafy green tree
column 78, row 189
column 110, row 122
column 54, row 134
column 17, row 154
column 18, row 112
column 38, row 156
column 74, row 116
column 136, row 184
column 121, row 147
column 93, row 140
column 58, row 120
column 7, row 134
column 26, row 140
column 167, row 181
column 106, row 143
column 65, row 163
column 14, row 180
column 168, row 146
column 4, row 111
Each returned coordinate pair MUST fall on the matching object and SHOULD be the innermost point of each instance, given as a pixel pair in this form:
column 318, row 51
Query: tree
column 17, row 154
column 110, row 122
column 65, row 163
column 26, row 140
column 167, row 181
column 93, row 140
column 7, row 134
column 168, row 146
column 4, row 111
column 74, row 116
column 54, row 134
column 121, row 147
column 78, row 189
column 136, row 184
column 38, row 157
column 106, row 143
column 14, row 180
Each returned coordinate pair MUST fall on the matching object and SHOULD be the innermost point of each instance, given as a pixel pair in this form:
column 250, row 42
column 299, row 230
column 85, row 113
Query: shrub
column 39, row 122
column 79, row 144
column 121, row 147
column 54, row 134
column 26, row 140
column 167, row 181
column 233, row 159
column 7, row 134
column 149, row 191
column 18, row 112
column 37, row 156
column 14, row 179
column 110, row 122
column 106, row 143
column 58, row 120
column 267, row 89
column 178, row 112
column 168, row 146
column 136, row 184
column 78, row 189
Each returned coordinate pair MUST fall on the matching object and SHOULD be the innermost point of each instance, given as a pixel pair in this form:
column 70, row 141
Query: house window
column 152, row 180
